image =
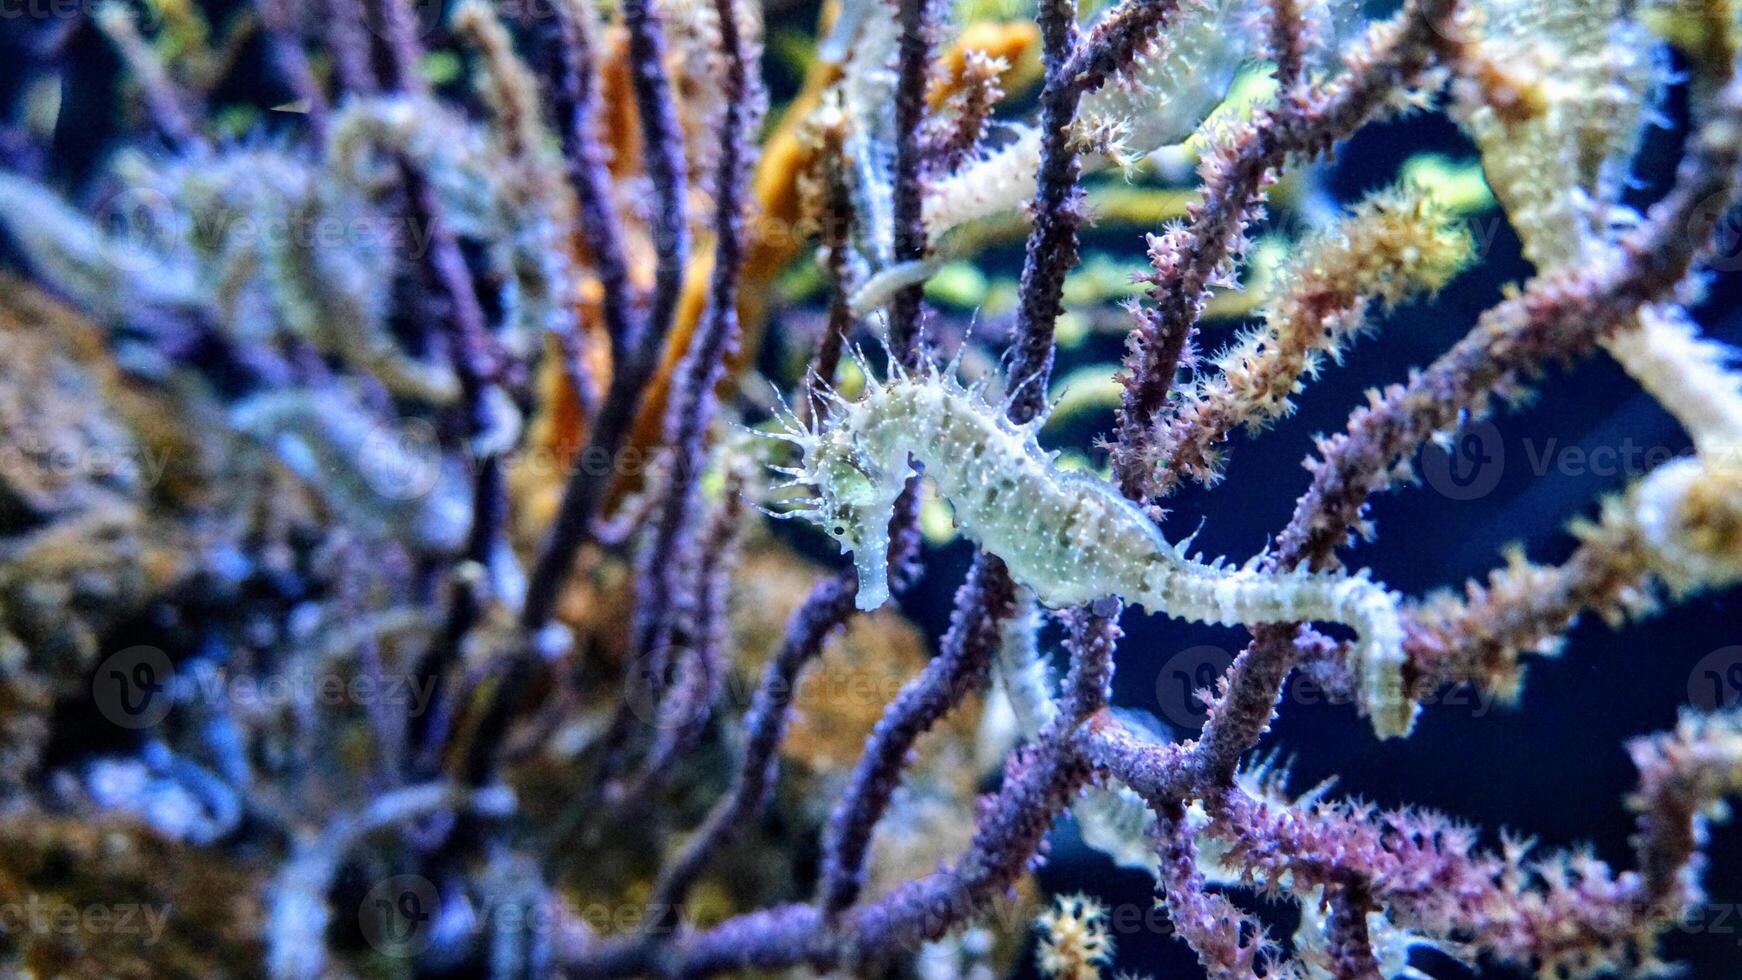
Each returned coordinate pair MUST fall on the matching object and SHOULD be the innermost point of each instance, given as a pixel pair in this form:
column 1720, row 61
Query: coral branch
column 169, row 106
column 823, row 612
column 1559, row 317
column 691, row 411
column 914, row 64
column 635, row 341
column 1191, row 258
column 1229, row 944
column 1392, row 246
column 985, row 600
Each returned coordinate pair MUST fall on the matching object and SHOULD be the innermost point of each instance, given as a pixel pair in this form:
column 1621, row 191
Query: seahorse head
column 855, row 496
column 853, row 488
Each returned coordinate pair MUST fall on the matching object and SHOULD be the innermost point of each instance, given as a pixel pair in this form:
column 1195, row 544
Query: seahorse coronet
column 1068, row 536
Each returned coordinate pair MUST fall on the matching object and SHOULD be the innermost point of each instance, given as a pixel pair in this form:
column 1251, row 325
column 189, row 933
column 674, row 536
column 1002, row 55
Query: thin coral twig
column 684, row 715
column 284, row 38
column 836, row 218
column 635, row 337
column 399, row 48
column 172, row 111
column 914, row 61
column 1193, row 256
column 1229, row 944
column 469, row 341
column 663, row 157
column 1350, row 942
column 1287, row 41
column 347, row 40
column 985, row 600
column 690, row 412
column 823, row 612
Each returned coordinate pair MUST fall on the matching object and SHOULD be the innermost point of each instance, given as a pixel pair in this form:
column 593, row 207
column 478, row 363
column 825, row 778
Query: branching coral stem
column 169, row 106
column 1559, row 317
column 985, row 599
column 914, row 62
column 828, row 606
column 690, row 413
column 635, row 341
column 348, row 42
column 1039, row 782
column 1189, row 258
column 1564, row 915
column 401, row 51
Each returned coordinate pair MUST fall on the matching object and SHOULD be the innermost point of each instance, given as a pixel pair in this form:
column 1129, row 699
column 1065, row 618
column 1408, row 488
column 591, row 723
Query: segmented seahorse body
column 1068, row 537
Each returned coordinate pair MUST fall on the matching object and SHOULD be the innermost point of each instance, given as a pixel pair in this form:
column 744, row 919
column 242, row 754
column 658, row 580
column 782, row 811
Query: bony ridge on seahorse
column 1068, row 537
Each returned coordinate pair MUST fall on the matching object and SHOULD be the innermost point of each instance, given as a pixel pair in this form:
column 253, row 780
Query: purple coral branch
column 690, row 413
column 663, row 158
column 683, row 716
column 285, row 42
column 1287, row 41
column 572, row 84
column 1349, row 942
column 987, row 596
column 985, row 600
column 1229, row 944
column 1552, row 319
column 1072, row 70
column 347, row 40
column 1425, row 871
column 824, row 611
column 174, row 112
column 1057, row 212
column 1190, row 258
column 401, row 50
column 1307, row 122
column 836, row 239
column 638, row 344
column 914, row 61
column 475, row 366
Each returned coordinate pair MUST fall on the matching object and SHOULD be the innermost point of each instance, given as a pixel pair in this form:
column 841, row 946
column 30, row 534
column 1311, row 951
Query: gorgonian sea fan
column 428, row 562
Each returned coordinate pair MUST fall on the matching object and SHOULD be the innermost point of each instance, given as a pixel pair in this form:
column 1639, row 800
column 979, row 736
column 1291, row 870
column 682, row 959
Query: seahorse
column 1069, row 537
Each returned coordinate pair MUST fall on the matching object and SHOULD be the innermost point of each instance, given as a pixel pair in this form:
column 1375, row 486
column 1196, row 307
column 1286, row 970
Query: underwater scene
column 918, row 489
